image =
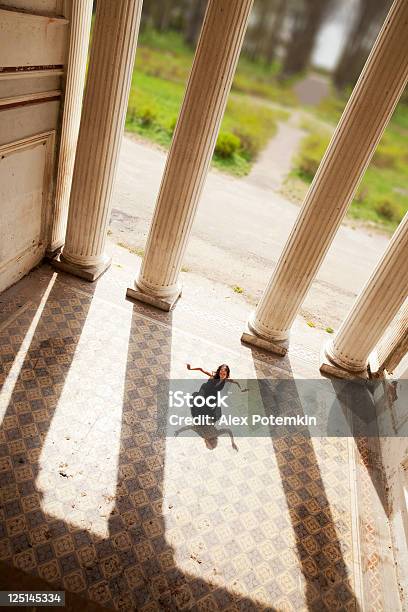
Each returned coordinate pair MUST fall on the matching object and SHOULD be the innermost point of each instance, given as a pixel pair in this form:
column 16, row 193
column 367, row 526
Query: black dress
column 208, row 390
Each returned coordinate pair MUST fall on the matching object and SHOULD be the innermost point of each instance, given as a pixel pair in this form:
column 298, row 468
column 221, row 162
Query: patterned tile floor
column 95, row 502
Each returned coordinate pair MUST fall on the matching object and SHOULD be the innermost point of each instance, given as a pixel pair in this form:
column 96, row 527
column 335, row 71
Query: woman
column 211, row 388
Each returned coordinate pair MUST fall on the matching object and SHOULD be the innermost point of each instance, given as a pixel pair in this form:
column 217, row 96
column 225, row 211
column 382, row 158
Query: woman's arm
column 200, row 370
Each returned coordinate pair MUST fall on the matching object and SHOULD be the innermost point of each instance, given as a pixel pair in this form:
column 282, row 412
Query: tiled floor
column 95, row 502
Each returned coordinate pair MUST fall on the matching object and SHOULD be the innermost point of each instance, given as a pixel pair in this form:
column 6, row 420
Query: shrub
column 311, row 152
column 146, row 115
column 254, row 124
column 389, row 210
column 227, row 145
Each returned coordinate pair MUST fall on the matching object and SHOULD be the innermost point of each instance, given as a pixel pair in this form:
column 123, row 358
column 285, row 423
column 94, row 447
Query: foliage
column 227, row 144
column 392, row 151
column 253, row 123
column 311, row 152
column 331, row 108
column 400, row 117
column 389, row 210
column 382, row 196
column 165, row 55
column 154, row 104
column 163, row 63
column 146, row 115
column 237, row 289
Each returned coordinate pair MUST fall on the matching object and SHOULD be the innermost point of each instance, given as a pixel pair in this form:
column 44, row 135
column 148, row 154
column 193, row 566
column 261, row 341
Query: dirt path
column 275, row 161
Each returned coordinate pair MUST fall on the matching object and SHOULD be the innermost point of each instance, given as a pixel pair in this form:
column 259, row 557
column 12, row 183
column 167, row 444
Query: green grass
column 331, row 108
column 163, row 63
column 382, row 196
column 165, row 55
column 154, row 105
column 162, row 66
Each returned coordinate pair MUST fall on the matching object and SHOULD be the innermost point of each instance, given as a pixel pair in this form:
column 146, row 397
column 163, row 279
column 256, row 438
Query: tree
column 274, row 36
column 370, row 16
column 264, row 29
column 307, row 17
column 258, row 30
column 161, row 14
column 194, row 18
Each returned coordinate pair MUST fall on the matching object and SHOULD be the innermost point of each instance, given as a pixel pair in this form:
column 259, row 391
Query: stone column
column 394, row 345
column 361, row 126
column 373, row 310
column 190, row 154
column 80, row 25
column 110, row 69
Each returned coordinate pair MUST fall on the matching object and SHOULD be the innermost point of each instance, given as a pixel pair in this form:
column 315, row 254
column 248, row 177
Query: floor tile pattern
column 95, row 501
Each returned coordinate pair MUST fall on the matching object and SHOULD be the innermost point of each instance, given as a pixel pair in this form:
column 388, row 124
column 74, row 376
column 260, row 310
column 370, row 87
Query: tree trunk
column 275, row 34
column 195, row 16
column 307, row 22
column 359, row 42
column 258, row 32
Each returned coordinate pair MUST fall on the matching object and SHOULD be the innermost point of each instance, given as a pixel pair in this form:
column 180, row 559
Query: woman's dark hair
column 223, row 365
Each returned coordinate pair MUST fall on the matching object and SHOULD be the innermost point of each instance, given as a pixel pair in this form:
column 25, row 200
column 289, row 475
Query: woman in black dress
column 211, row 388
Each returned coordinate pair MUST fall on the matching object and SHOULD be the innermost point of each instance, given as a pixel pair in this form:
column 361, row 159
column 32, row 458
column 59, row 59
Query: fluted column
column 375, row 307
column 80, row 25
column 190, row 154
column 110, row 68
column 394, row 345
column 360, row 128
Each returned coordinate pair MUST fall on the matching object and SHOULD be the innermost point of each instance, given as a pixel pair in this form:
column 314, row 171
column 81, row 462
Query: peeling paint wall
column 33, row 50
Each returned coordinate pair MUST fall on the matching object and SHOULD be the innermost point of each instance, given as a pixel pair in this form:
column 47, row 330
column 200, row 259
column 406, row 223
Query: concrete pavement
column 239, row 233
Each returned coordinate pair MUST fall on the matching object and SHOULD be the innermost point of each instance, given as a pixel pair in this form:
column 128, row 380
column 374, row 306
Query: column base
column 278, row 348
column 331, row 369
column 90, row 273
column 374, row 367
column 53, row 251
column 165, row 304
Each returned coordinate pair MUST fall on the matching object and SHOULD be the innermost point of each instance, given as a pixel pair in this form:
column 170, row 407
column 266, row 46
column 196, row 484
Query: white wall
column 33, row 51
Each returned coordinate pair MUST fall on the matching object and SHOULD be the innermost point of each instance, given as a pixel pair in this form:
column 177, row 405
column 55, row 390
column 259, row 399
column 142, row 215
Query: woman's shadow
column 209, row 433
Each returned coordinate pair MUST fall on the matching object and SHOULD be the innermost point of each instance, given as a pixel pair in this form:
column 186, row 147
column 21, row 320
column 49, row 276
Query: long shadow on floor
column 153, row 579
column 319, row 550
column 37, row 349
column 58, row 468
